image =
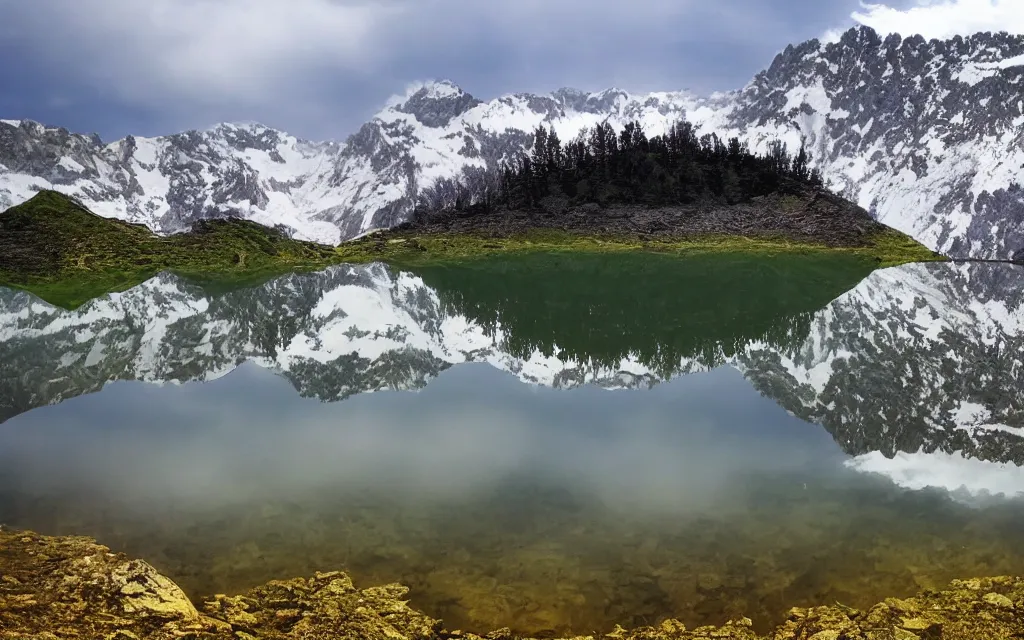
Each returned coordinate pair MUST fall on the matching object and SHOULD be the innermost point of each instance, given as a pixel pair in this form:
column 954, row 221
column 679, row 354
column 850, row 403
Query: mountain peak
column 434, row 103
column 437, row 89
column 604, row 101
column 242, row 125
column 31, row 125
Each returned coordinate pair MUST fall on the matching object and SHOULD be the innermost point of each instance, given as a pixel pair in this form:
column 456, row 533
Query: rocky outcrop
column 796, row 212
column 72, row 587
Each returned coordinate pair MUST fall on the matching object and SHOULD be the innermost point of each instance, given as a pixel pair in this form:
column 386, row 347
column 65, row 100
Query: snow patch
column 950, row 471
column 974, row 72
column 70, row 164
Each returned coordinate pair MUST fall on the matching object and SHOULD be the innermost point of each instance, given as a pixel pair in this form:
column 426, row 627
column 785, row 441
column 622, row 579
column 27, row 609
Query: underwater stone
column 80, row 587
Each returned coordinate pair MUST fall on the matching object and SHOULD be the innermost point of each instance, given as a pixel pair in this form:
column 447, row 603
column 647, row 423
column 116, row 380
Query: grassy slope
column 67, row 255
column 888, row 249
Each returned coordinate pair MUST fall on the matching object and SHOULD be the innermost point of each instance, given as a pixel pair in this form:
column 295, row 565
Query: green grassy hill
column 65, row 254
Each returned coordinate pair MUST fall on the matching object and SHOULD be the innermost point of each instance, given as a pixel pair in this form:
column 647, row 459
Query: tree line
column 607, row 167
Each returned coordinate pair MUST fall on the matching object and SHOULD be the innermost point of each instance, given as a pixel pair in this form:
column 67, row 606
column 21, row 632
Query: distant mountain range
column 927, row 135
column 919, row 358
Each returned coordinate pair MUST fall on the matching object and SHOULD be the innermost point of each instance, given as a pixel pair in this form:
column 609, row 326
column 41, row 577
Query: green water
column 660, row 309
column 593, row 440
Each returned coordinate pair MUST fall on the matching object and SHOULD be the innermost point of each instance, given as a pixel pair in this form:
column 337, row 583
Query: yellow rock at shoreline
column 72, row 587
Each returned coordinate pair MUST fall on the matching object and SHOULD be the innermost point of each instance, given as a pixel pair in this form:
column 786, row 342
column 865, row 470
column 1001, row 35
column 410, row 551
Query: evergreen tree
column 800, row 168
column 602, row 165
column 539, row 158
column 778, row 158
column 554, row 151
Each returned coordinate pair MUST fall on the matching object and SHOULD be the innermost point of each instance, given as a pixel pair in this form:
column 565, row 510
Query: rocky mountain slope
column 925, row 135
column 948, row 336
column 915, row 359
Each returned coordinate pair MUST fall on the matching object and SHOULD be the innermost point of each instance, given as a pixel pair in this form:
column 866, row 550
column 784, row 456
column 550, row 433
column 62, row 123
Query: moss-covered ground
column 887, row 249
column 66, row 255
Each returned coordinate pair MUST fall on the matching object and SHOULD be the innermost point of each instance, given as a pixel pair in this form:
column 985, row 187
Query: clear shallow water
column 691, row 475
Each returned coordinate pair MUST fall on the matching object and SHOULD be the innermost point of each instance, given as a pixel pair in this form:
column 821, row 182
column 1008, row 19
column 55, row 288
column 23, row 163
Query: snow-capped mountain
column 917, row 374
column 926, row 135
column 347, row 330
column 168, row 183
column 919, row 358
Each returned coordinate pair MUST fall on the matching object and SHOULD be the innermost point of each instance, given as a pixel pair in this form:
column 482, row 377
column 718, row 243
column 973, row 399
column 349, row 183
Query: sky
column 320, row 68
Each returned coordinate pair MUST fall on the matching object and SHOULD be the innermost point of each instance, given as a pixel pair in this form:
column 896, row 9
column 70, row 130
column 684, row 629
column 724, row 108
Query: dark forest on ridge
column 628, row 168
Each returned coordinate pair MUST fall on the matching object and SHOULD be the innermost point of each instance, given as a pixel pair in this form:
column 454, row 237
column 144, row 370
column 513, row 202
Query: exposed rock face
column 915, row 359
column 170, row 182
column 68, row 587
column 926, row 135
column 438, row 104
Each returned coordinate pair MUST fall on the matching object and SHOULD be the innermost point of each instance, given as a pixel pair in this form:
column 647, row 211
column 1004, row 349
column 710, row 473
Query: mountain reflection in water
column 708, row 496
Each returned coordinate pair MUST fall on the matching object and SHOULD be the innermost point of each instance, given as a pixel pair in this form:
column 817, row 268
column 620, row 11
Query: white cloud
column 944, row 18
column 296, row 61
column 319, row 68
column 239, row 51
column 205, row 50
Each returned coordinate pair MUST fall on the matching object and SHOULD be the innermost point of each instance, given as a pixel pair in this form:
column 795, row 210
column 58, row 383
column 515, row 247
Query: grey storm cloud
column 318, row 68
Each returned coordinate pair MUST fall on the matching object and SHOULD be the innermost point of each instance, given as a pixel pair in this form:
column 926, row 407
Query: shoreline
column 67, row 255
column 76, row 588
column 73, row 287
column 414, row 247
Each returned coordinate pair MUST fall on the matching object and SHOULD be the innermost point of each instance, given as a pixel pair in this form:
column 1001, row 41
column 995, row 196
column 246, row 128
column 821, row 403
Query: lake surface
column 546, row 443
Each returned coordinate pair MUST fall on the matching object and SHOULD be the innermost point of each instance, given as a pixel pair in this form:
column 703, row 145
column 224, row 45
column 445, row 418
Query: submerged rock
column 72, row 587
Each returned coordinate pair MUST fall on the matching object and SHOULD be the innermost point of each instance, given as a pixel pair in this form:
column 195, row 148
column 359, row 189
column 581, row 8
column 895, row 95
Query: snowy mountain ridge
column 949, row 337
column 344, row 331
column 924, row 134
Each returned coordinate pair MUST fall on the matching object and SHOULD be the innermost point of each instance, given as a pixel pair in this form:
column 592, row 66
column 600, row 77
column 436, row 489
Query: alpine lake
column 549, row 443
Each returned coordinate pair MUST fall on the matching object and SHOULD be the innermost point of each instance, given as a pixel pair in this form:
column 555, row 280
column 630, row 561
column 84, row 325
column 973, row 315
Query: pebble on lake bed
column 77, row 588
